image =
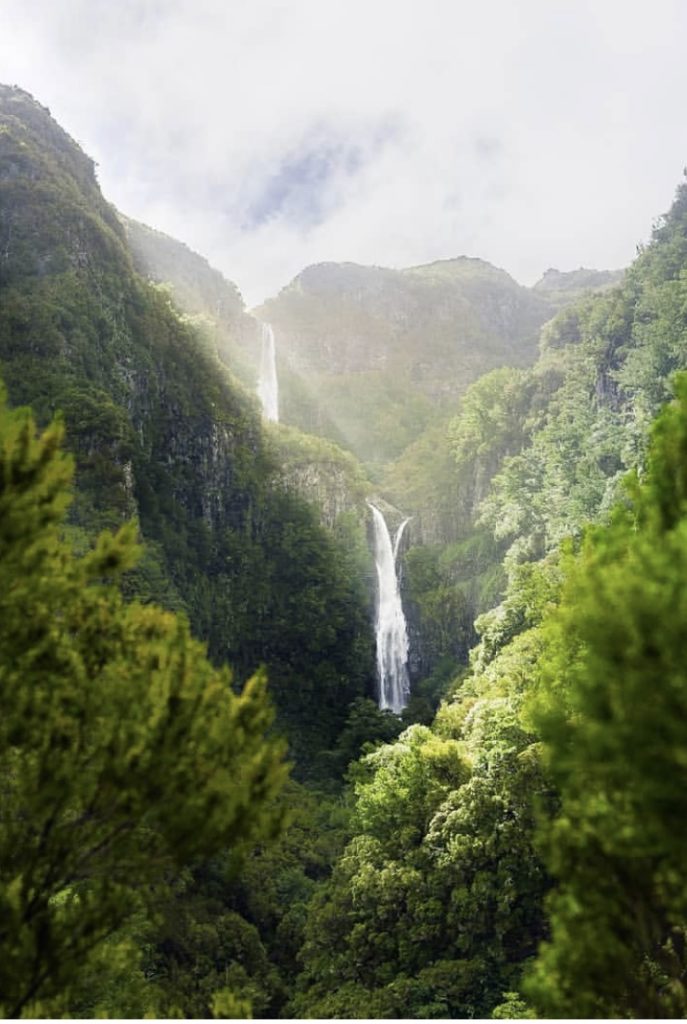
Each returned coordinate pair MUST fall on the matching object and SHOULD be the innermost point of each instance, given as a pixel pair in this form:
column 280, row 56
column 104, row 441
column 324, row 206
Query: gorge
column 271, row 746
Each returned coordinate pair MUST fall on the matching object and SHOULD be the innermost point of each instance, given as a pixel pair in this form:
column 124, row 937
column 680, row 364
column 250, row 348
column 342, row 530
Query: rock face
column 321, row 472
column 581, row 280
column 326, row 485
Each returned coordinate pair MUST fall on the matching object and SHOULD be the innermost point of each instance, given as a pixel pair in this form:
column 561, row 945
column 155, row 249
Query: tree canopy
column 124, row 753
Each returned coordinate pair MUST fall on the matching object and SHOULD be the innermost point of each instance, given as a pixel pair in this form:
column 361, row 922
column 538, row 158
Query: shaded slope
column 161, row 431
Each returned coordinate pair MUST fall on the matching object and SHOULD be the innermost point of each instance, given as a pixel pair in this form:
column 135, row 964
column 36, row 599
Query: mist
column 269, row 136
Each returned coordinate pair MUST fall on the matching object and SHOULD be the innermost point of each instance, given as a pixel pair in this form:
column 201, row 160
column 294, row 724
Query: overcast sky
column 270, row 135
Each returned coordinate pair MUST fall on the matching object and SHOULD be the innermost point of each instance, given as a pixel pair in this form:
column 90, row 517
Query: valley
column 342, row 638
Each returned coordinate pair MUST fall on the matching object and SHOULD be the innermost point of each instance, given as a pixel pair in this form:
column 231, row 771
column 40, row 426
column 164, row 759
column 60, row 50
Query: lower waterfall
column 392, row 635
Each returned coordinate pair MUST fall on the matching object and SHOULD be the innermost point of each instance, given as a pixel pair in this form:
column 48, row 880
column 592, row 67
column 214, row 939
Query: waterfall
column 268, row 389
column 397, row 538
column 392, row 635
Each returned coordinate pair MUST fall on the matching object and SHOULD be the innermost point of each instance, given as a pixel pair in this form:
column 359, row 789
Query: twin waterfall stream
column 391, row 632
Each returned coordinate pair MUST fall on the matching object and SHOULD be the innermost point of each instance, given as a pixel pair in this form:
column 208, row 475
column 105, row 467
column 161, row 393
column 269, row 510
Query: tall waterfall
column 392, row 635
column 268, row 388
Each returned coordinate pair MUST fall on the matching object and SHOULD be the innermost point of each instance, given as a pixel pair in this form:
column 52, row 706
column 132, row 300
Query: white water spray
column 268, row 388
column 392, row 635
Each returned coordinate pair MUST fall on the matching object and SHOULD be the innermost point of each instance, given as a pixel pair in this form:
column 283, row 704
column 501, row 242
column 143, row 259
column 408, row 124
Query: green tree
column 123, row 753
column 436, row 902
column 611, row 709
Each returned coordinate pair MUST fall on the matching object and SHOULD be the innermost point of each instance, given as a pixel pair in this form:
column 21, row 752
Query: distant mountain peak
column 453, row 263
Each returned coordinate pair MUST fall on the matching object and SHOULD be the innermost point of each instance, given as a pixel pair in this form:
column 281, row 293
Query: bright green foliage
column 609, row 362
column 560, row 478
column 436, row 902
column 612, row 708
column 135, row 780
column 490, row 423
column 532, row 588
column 123, row 752
column 436, row 906
column 512, row 1008
column 541, row 453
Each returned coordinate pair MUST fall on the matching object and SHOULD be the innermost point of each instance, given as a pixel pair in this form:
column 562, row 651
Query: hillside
column 201, row 292
column 370, row 357
column 561, row 287
column 163, row 432
column 510, row 845
column 531, row 835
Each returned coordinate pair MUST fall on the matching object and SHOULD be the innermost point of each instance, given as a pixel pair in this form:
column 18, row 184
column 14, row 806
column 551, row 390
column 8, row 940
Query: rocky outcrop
column 324, row 485
column 332, row 480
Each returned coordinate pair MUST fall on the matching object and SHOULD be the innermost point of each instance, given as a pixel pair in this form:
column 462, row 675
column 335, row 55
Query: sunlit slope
column 371, row 356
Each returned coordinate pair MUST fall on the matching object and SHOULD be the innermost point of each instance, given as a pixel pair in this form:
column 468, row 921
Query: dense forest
column 205, row 812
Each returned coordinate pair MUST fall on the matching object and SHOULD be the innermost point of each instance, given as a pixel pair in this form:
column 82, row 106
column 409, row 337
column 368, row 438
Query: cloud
column 270, row 135
column 308, row 184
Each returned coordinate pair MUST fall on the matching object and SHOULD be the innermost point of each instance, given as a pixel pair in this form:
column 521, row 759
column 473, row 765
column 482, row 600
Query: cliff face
column 161, row 430
column 375, row 360
column 370, row 357
column 325, row 475
column 81, row 332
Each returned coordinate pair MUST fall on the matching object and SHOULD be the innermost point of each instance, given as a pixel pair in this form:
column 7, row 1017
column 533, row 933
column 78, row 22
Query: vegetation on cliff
column 161, row 431
column 555, row 766
column 518, row 851
column 370, row 357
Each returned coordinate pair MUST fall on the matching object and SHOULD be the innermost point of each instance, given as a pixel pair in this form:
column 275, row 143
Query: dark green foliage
column 306, row 618
column 439, row 606
column 428, row 692
column 592, row 425
column 155, row 896
column 436, row 906
column 366, row 726
column 245, row 929
column 161, row 431
column 123, row 752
